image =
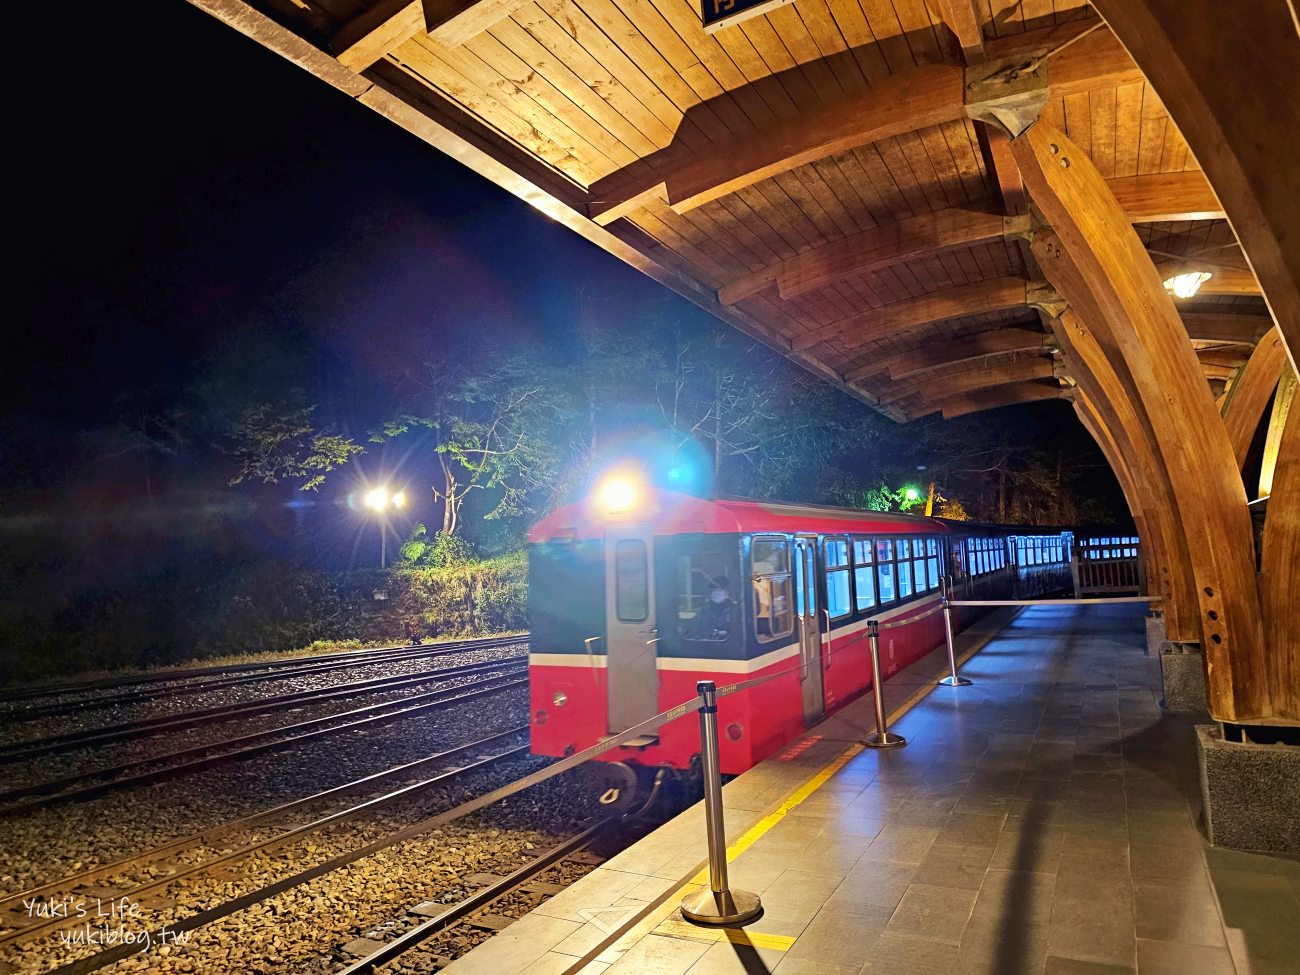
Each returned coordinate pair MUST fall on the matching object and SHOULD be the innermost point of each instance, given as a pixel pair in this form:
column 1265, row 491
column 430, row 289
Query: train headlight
column 617, row 494
column 559, row 699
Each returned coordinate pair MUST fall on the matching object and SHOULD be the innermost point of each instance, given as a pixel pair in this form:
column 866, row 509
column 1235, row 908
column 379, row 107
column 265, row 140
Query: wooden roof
column 809, row 175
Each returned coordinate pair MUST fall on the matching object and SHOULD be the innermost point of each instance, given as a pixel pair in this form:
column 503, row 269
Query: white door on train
column 809, row 627
column 632, row 680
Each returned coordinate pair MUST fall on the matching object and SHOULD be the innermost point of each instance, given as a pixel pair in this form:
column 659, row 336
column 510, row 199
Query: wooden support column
column 1102, row 269
column 1248, row 398
column 1153, row 565
column 1227, row 75
column 1280, row 574
column 1120, row 415
column 1282, row 400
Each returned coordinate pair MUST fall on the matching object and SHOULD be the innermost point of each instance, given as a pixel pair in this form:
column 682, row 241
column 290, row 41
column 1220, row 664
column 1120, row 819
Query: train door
column 810, row 635
column 632, row 680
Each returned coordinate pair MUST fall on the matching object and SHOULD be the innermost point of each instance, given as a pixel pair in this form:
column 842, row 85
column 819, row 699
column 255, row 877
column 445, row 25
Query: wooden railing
column 1107, row 564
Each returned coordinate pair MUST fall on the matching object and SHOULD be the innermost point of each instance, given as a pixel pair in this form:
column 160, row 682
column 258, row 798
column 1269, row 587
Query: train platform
column 1044, row 820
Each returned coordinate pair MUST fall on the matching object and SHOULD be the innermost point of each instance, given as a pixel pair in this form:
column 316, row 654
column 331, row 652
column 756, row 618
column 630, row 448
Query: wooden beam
column 933, row 232
column 379, row 29
column 1167, row 196
column 981, row 374
column 961, row 17
column 453, row 22
column 1211, row 326
column 992, row 399
column 1003, row 169
column 1102, row 268
column 1104, row 391
column 889, row 320
column 875, row 249
column 950, row 353
column 1149, row 550
column 1228, row 83
column 1250, row 394
column 913, row 99
column 1282, row 400
column 1279, row 572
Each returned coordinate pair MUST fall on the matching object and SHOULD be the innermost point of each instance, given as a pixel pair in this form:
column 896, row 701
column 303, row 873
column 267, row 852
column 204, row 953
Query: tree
column 489, row 428
column 273, row 442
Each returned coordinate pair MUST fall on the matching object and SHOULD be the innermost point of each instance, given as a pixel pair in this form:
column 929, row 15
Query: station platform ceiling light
column 1187, row 283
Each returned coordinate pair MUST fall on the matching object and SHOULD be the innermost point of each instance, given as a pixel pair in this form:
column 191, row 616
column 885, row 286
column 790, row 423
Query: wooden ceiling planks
column 575, row 93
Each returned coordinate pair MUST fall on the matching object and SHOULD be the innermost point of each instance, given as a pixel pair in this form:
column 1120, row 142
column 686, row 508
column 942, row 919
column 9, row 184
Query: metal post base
column 728, row 907
column 887, row 740
column 954, row 681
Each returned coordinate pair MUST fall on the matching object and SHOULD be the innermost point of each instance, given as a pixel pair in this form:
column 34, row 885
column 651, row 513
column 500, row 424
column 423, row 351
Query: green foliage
column 273, row 442
column 441, row 552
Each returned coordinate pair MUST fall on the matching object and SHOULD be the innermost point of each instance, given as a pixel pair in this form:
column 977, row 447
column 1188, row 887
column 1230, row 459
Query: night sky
column 269, row 216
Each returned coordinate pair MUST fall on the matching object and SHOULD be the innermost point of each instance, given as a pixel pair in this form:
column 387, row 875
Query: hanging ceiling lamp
column 1186, row 283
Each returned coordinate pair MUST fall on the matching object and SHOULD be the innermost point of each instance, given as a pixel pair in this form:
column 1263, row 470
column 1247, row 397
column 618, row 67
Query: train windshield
column 706, row 594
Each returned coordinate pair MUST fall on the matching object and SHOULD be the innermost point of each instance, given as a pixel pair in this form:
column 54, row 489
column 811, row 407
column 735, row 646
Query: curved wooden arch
column 1122, row 419
column 1249, row 396
column 1101, row 267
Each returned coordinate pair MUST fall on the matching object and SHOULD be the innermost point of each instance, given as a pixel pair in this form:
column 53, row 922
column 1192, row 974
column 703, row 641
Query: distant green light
column 912, row 494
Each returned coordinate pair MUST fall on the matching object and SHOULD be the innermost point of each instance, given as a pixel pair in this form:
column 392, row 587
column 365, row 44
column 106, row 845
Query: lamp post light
column 379, row 500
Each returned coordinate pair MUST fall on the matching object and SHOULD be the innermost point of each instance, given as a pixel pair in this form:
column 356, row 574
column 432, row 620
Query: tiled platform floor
column 1044, row 820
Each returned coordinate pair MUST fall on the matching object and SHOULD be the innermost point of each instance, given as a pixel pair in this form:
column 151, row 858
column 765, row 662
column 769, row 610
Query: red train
column 637, row 593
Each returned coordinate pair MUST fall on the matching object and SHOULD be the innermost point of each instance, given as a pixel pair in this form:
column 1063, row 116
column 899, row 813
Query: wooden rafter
column 950, row 353
column 993, row 294
column 961, row 17
column 916, row 98
column 941, row 230
column 981, row 374
column 992, row 399
column 1223, row 280
column 1227, row 327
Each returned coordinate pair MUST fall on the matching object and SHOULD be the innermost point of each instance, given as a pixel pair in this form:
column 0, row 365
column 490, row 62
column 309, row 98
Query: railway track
column 90, row 784
column 232, row 676
column 169, row 868
column 147, row 727
column 179, row 923
column 487, row 910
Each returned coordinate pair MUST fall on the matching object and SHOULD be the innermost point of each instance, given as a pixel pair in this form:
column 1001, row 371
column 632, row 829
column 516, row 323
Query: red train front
column 636, row 593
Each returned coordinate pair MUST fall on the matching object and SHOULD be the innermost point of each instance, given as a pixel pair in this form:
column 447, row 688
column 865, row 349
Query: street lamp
column 379, row 500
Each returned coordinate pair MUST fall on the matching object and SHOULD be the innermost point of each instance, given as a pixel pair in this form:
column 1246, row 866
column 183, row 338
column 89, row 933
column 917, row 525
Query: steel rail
column 76, row 740
column 495, row 684
column 280, row 839
column 367, row 658
column 119, row 951
column 506, row 885
column 203, row 837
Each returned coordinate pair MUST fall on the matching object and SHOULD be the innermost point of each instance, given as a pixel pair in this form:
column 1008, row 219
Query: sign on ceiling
column 717, row 14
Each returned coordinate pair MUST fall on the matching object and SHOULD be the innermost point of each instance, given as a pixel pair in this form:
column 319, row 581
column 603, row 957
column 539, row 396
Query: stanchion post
column 952, row 680
column 719, row 905
column 883, row 737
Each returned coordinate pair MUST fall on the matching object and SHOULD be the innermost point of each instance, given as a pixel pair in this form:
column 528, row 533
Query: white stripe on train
column 597, row 661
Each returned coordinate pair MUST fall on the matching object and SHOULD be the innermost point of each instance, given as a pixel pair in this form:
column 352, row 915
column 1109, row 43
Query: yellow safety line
column 737, row 936
column 796, row 798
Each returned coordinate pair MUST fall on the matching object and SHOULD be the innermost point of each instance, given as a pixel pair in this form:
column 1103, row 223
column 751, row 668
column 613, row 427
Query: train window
column 884, row 550
column 884, row 572
column 904, row 579
column 773, row 603
column 631, row 581
column 864, row 576
column 932, row 567
column 918, row 564
column 839, row 598
column 706, row 602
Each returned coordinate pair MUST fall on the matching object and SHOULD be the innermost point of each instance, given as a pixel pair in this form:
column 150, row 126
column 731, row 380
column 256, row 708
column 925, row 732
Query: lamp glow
column 399, row 499
column 617, row 494
column 912, row 494
column 376, row 499
column 1186, row 285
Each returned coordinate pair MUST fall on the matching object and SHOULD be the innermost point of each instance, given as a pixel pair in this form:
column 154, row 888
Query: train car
column 635, row 594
